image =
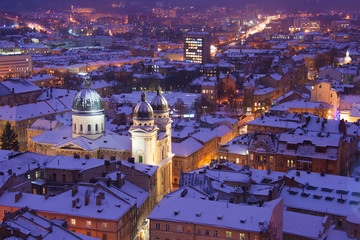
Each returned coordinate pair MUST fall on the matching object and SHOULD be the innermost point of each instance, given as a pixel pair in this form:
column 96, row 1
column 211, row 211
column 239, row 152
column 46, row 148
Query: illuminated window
column 73, row 221
column 290, row 163
column 88, row 223
column 242, row 236
column 228, row 235
column 104, row 225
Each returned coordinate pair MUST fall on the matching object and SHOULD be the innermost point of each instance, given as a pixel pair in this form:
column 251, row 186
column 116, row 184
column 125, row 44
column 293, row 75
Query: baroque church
column 148, row 141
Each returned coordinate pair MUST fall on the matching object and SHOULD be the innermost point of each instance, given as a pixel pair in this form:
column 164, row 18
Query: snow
column 20, row 86
column 304, row 225
column 330, row 186
column 186, row 147
column 224, row 215
column 113, row 206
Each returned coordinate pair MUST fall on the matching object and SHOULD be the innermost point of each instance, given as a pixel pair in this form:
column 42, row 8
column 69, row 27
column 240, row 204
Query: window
column 242, row 236
column 140, row 159
column 88, row 233
column 199, row 231
column 167, row 227
column 237, row 160
column 74, row 127
column 228, row 235
column 189, row 229
column 37, row 174
column 73, row 221
column 54, row 177
column 88, row 223
column 104, row 225
column 251, row 156
column 157, row 226
column 271, row 159
column 179, row 228
column 215, row 233
column 96, row 127
column 89, row 128
column 207, row 232
column 104, row 236
column 5, row 212
column 290, row 163
column 81, row 127
column 28, row 176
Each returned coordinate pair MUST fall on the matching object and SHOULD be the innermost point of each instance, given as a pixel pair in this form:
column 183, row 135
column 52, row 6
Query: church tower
column 162, row 120
column 151, row 139
column 144, row 133
column 88, row 116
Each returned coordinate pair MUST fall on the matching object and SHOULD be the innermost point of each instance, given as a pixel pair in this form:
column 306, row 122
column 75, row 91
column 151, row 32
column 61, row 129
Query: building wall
column 189, row 231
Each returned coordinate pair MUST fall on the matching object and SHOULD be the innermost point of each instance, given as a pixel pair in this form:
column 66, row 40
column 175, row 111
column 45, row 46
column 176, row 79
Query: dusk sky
column 21, row 5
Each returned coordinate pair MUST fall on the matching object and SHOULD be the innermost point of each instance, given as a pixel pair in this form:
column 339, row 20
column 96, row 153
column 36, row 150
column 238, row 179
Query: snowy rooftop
column 172, row 97
column 332, row 194
column 305, row 225
column 186, row 147
column 20, row 86
column 33, row 226
column 112, row 208
column 223, row 215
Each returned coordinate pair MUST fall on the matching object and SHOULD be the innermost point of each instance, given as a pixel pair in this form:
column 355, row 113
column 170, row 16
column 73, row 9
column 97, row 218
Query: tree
column 321, row 111
column 180, row 107
column 9, row 139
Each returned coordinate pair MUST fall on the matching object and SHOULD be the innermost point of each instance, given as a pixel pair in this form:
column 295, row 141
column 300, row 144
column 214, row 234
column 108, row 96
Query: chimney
column 74, row 191
column 118, row 180
column 18, row 196
column 87, row 199
column 131, row 160
column 98, row 200
column 102, row 195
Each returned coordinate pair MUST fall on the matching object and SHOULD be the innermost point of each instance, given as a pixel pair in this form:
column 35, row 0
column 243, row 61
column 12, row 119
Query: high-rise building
column 15, row 65
column 197, row 47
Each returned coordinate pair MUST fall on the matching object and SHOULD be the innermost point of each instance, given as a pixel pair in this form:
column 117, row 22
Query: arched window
column 96, row 127
column 102, row 126
column 89, row 128
column 140, row 159
column 145, row 124
column 81, row 127
column 74, row 127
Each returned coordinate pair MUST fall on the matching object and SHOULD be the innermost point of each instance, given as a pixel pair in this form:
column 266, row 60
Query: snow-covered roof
column 304, row 225
column 186, row 147
column 20, row 85
column 113, row 206
column 222, row 214
column 333, row 194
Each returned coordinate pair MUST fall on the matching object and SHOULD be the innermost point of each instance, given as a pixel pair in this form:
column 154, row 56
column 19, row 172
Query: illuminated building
column 16, row 65
column 197, row 47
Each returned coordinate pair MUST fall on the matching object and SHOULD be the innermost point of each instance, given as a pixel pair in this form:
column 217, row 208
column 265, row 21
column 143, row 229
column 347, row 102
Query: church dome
column 87, row 101
column 143, row 110
column 159, row 103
